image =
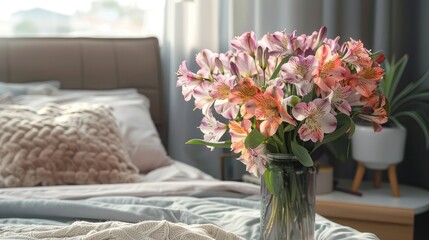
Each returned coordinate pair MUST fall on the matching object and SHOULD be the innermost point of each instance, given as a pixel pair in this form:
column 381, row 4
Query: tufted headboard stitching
column 89, row 63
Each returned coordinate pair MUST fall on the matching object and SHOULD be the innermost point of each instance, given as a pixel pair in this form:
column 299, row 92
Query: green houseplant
column 408, row 101
column 379, row 150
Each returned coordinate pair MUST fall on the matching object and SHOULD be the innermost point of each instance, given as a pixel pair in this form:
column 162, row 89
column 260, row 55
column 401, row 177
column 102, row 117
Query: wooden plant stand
column 391, row 171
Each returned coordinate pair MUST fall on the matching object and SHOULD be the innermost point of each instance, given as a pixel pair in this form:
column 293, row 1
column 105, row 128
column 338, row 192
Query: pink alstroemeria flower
column 357, row 55
column 206, row 60
column 255, row 160
column 338, row 98
column 317, row 118
column 298, row 71
column 226, row 109
column 246, row 43
column 202, row 97
column 278, row 43
column 221, row 86
column 213, row 130
column 304, row 42
column 188, row 81
column 329, row 70
column 333, row 43
column 223, row 63
column 221, row 90
column 354, row 99
column 245, row 64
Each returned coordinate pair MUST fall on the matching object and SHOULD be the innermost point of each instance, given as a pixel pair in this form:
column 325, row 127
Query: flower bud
column 320, row 36
column 378, row 57
column 266, row 56
column 259, row 56
column 234, row 70
column 219, row 65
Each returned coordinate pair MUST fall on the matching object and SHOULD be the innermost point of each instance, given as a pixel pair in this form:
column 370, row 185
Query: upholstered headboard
column 89, row 63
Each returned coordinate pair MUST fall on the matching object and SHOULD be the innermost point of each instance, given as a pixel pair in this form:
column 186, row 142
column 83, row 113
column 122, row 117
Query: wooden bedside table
column 376, row 211
column 230, row 168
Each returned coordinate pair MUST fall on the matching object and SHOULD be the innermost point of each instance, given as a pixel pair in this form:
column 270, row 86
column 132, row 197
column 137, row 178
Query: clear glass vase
column 287, row 199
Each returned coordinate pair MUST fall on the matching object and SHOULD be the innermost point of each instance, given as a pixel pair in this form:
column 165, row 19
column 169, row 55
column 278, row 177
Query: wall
column 413, row 37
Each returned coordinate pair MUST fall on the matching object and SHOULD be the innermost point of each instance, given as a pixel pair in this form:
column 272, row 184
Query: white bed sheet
column 143, row 189
column 181, row 177
column 177, row 171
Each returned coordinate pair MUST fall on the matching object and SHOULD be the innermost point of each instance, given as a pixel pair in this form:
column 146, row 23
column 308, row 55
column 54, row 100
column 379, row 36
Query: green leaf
column 267, row 178
column 410, row 87
column 302, row 154
column 276, row 179
column 412, row 98
column 396, row 122
column 226, row 144
column 352, row 128
column 289, row 128
column 395, row 76
column 254, row 139
column 424, row 125
column 276, row 72
column 388, row 107
column 294, row 100
column 272, row 145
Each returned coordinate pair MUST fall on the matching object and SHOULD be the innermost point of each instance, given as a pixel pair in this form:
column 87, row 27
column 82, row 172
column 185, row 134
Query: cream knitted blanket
column 146, row 230
column 57, row 145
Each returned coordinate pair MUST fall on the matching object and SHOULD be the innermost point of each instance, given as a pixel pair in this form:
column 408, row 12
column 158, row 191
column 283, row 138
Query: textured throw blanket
column 118, row 230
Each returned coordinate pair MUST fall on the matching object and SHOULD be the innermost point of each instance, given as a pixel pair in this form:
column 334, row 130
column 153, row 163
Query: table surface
column 411, row 197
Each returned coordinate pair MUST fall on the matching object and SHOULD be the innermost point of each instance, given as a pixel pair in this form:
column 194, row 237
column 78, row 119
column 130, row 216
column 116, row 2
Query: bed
column 60, row 86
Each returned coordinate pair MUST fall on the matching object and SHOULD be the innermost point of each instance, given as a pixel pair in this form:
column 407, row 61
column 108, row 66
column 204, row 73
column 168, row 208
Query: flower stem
column 289, row 210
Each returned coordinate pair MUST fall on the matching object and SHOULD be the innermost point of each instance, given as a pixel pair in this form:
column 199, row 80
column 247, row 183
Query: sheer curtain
column 192, row 25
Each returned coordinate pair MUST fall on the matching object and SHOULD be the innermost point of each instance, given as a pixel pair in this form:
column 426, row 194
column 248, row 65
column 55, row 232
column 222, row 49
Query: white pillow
column 131, row 111
column 35, row 88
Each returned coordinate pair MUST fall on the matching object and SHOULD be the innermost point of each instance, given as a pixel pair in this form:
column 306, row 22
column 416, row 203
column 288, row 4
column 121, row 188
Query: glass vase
column 287, row 199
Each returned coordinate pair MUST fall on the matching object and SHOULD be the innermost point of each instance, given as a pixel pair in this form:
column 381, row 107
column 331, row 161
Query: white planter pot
column 378, row 150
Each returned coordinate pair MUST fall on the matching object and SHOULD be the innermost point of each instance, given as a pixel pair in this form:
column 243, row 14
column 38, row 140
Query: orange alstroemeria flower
column 269, row 109
column 254, row 159
column 374, row 111
column 329, row 70
column 239, row 132
column 366, row 81
column 243, row 93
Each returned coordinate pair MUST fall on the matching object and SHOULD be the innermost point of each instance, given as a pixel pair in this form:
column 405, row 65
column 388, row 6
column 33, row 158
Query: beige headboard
column 89, row 63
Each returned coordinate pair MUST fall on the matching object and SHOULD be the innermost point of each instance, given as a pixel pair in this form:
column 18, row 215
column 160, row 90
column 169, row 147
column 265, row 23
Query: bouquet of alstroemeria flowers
column 285, row 93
